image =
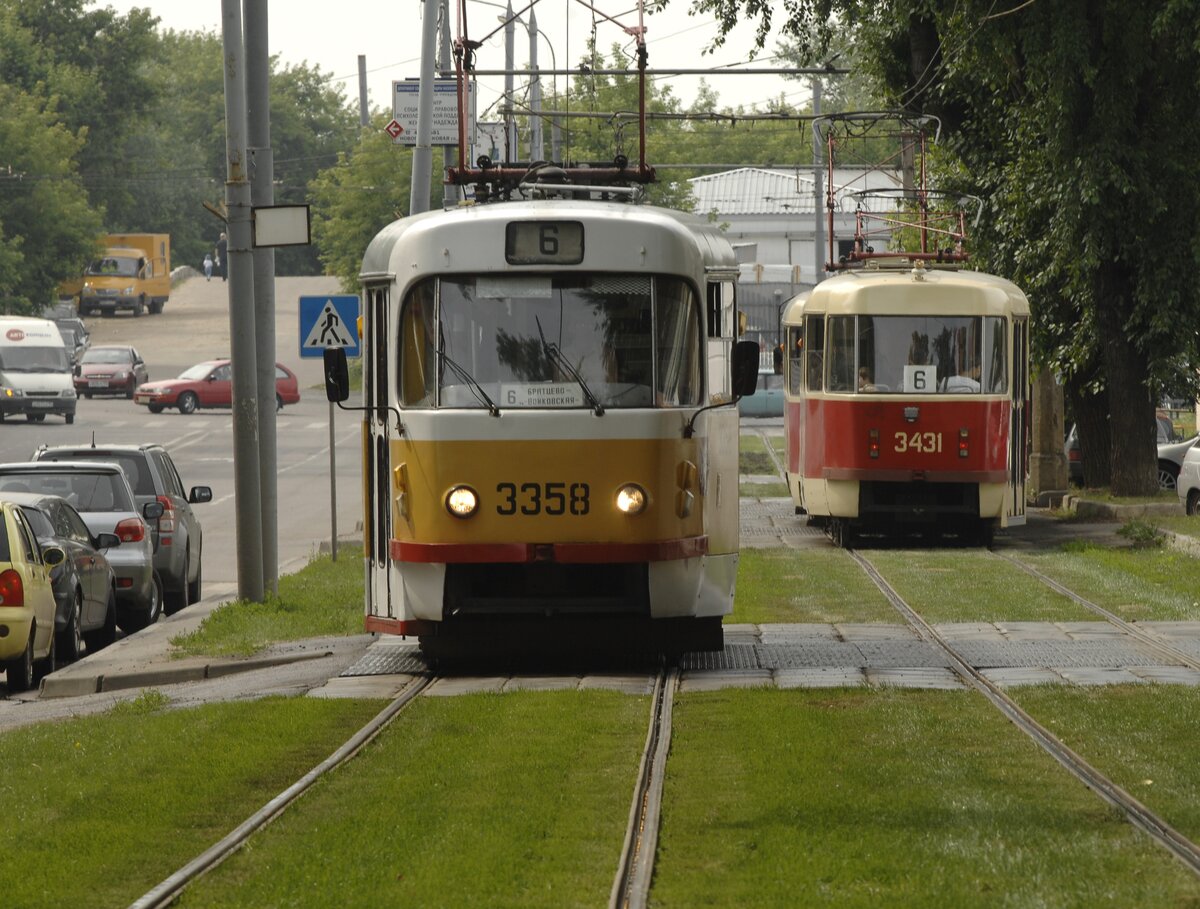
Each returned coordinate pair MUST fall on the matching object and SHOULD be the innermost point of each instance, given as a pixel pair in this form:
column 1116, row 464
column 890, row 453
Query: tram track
column 169, row 889
column 1134, row 810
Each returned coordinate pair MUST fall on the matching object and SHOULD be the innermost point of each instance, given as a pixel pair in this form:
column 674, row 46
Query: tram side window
column 418, row 334
column 814, row 339
column 795, row 366
column 678, row 340
column 841, row 352
column 995, row 334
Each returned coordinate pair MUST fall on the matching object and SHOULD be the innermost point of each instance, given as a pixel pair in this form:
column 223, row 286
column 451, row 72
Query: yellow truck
column 133, row 273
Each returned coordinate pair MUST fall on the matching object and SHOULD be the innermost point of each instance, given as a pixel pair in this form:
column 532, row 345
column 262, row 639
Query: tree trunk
column 1131, row 408
column 1090, row 413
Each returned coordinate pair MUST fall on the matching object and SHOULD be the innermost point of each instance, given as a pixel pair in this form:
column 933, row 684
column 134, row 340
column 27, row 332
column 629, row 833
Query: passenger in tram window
column 865, row 380
column 967, row 382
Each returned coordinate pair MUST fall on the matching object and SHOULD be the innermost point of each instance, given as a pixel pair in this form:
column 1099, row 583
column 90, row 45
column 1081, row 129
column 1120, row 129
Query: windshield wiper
column 560, row 360
column 476, row 388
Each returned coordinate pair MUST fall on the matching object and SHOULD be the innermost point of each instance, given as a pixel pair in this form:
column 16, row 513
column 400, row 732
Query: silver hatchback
column 101, row 495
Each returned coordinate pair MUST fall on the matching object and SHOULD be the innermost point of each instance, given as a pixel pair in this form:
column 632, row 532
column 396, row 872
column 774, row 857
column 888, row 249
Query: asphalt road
column 194, row 326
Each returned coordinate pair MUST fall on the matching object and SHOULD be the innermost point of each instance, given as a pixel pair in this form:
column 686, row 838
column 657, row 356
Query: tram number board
column 543, row 242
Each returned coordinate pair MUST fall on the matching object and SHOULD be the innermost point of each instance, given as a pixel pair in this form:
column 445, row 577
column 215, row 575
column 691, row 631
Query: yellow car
column 26, row 601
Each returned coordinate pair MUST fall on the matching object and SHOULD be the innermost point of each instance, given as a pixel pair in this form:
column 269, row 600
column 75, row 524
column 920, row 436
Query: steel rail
column 631, row 886
column 1160, row 647
column 1138, row 814
column 166, row 892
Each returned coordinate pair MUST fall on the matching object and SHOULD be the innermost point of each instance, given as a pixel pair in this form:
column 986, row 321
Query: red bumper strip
column 906, row 476
column 593, row 553
column 381, row 625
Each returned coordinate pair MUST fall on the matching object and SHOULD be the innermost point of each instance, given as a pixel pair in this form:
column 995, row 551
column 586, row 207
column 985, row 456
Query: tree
column 1073, row 120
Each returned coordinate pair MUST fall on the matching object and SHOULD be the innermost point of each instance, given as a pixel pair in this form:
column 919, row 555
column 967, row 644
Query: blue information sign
column 330, row 321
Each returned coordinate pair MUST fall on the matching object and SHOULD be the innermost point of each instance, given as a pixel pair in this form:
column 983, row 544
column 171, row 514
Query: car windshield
column 551, row 341
column 121, row 266
column 88, row 492
column 132, row 464
column 38, row 521
column 106, row 355
column 34, row 359
column 199, row 371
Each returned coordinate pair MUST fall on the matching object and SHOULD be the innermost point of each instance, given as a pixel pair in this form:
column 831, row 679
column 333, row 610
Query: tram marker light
column 631, row 499
column 461, row 501
column 963, row 443
column 873, row 443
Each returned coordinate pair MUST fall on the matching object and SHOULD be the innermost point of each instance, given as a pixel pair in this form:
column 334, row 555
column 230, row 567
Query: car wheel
column 1167, row 475
column 1193, row 502
column 70, row 639
column 154, row 408
column 139, row 307
column 44, row 667
column 194, row 587
column 129, row 390
column 87, row 394
column 106, row 633
column 278, row 403
column 70, row 418
column 175, row 600
column 19, row 670
column 188, row 402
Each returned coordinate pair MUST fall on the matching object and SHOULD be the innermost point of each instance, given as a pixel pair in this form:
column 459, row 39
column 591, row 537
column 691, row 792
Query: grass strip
column 868, row 798
column 1136, row 584
column 956, row 585
column 800, row 585
column 324, row 598
column 768, row 491
column 1143, row 737
column 99, row 809
column 479, row 800
column 753, row 457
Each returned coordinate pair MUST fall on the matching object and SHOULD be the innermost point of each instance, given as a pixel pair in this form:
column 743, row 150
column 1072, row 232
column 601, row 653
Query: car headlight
column 120, row 374
column 461, row 501
column 68, row 392
column 11, row 392
column 631, row 499
column 127, row 291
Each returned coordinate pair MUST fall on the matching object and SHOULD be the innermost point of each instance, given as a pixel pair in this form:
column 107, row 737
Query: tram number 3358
column 928, row 442
column 543, row 498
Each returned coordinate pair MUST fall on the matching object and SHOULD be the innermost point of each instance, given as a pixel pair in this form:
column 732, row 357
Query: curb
column 1089, row 509
column 74, row 686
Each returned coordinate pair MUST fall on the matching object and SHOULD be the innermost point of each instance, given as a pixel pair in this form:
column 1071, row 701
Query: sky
column 332, row 34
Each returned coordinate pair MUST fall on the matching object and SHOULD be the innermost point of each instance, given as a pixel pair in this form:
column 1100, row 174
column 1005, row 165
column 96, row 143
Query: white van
column 35, row 370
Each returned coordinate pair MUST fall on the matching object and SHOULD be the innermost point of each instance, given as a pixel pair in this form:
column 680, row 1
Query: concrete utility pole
column 510, row 126
column 535, row 93
column 818, row 190
column 445, row 67
column 262, row 192
column 364, row 116
column 422, row 160
column 248, row 508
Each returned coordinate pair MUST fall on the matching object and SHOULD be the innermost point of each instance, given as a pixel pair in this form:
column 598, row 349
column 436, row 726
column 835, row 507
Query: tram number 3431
column 543, row 498
column 928, row 442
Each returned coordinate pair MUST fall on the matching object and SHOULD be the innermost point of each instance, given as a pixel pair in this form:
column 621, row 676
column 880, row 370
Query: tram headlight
column 461, row 501
column 631, row 499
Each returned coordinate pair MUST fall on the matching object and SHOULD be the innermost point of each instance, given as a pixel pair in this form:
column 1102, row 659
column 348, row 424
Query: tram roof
column 451, row 226
column 910, row 290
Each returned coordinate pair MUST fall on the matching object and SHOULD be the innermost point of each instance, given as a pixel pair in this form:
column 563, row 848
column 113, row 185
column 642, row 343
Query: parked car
column 74, row 334
column 85, row 588
column 101, row 495
column 1171, row 450
column 26, row 600
column 177, row 538
column 209, row 384
column 110, row 369
column 1188, row 483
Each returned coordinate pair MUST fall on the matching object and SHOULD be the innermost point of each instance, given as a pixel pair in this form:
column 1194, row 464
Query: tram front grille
column 546, row 588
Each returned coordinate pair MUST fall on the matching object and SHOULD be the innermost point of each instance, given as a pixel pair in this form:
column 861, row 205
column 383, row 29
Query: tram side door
column 377, row 457
column 1018, row 431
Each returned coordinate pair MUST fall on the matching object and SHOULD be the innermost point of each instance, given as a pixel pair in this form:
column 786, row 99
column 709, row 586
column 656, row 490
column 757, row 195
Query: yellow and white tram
column 550, row 439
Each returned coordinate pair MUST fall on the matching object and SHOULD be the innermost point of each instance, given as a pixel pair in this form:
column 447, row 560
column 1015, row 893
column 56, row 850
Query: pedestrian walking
column 208, row 266
column 221, row 261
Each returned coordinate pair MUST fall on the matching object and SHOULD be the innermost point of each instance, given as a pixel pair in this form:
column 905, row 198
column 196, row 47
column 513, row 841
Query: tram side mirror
column 745, row 368
column 337, row 374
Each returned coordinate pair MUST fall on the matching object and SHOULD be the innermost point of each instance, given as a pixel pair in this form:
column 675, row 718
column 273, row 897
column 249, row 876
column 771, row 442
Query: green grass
column 478, row 800
column 99, row 809
column 1136, row 584
column 324, row 598
column 957, row 585
column 753, row 457
column 887, row 798
column 1143, row 737
column 1188, row 525
column 806, row 585
column 764, row 491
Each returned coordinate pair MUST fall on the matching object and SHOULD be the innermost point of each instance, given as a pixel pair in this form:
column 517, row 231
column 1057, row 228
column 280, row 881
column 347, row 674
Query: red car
column 110, row 369
column 209, row 384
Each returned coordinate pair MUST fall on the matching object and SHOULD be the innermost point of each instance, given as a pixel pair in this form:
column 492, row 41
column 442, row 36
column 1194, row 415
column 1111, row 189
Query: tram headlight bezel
column 462, row 501
column 631, row 499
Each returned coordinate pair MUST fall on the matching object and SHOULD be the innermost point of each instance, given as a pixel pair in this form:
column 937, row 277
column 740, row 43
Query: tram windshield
column 912, row 354
column 550, row 341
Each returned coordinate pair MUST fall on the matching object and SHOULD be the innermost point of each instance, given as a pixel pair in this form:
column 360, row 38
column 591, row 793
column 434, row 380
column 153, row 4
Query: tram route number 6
column 543, row 498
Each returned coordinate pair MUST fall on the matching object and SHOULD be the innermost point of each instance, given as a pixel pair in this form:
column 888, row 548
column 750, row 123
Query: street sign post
column 330, row 321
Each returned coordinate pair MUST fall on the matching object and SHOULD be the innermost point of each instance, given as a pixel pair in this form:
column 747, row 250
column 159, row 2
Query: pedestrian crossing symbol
column 329, row 322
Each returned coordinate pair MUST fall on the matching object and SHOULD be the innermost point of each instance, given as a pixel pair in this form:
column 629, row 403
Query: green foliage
column 1142, row 534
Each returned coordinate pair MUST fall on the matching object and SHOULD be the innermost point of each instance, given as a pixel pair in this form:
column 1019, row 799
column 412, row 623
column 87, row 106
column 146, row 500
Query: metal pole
column 364, row 115
column 422, row 159
column 446, row 69
column 262, row 192
column 818, row 193
column 332, row 486
column 510, row 127
column 535, row 93
column 248, row 506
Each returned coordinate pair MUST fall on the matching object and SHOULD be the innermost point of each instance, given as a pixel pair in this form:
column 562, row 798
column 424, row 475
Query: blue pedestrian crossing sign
column 329, row 321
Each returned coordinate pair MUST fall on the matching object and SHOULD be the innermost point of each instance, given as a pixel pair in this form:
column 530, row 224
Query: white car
column 1188, row 483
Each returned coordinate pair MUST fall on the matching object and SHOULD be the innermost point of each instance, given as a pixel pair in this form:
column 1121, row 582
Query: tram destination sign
column 403, row 128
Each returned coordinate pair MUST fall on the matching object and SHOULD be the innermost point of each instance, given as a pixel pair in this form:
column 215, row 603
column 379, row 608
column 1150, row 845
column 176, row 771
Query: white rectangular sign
column 541, row 395
column 445, row 111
